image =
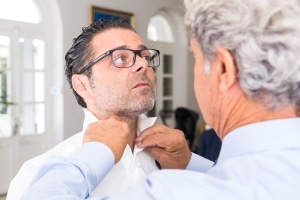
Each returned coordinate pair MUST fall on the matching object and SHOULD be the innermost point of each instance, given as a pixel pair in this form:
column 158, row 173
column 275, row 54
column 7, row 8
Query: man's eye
column 120, row 59
column 147, row 58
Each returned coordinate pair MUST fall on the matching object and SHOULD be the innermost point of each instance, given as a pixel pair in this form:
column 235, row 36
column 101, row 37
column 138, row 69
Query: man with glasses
column 110, row 71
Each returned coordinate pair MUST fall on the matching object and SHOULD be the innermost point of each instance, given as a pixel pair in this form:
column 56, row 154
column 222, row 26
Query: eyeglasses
column 125, row 58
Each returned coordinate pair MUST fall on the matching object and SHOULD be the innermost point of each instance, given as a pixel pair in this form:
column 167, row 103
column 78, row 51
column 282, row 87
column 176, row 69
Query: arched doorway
column 28, row 80
column 167, row 35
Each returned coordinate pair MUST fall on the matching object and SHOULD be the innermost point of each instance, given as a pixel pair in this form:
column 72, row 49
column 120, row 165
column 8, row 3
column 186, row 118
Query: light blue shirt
column 133, row 167
column 257, row 161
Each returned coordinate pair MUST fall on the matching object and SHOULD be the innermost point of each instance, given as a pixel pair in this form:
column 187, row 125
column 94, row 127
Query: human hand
column 167, row 145
column 111, row 132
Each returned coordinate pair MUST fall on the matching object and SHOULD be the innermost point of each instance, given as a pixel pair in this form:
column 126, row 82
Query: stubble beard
column 123, row 104
column 129, row 108
column 139, row 106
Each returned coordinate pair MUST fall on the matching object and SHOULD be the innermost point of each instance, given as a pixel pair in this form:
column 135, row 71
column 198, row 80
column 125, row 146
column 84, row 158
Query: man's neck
column 252, row 113
column 130, row 120
column 132, row 123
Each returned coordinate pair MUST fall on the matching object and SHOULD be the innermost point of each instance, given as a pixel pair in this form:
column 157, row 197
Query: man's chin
column 143, row 106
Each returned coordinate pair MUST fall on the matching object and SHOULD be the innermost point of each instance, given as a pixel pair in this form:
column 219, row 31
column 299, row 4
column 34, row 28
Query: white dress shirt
column 133, row 166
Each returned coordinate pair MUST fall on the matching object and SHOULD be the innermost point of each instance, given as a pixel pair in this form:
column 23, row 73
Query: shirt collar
column 142, row 123
column 267, row 135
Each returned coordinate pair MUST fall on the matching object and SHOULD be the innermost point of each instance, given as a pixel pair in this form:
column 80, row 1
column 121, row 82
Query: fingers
column 111, row 132
column 158, row 135
column 170, row 160
column 147, row 132
column 167, row 145
column 149, row 141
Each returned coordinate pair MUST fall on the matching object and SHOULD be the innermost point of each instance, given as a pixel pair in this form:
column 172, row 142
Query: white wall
column 75, row 15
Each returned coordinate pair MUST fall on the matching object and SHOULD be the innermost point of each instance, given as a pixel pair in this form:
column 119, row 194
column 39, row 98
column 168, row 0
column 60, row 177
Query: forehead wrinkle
column 96, row 52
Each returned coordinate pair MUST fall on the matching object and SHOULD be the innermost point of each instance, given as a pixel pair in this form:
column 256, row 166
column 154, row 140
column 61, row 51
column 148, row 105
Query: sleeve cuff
column 198, row 163
column 97, row 156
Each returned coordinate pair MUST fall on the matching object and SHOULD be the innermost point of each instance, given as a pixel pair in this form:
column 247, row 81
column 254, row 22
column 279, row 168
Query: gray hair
column 263, row 37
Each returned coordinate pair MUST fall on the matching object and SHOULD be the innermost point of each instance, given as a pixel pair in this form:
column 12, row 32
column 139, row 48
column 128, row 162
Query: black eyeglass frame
column 109, row 52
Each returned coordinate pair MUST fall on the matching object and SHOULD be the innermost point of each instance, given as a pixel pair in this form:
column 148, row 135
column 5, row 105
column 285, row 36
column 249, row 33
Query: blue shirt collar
column 262, row 136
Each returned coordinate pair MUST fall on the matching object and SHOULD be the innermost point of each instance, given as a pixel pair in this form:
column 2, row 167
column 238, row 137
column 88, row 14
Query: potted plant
column 5, row 119
column 4, row 103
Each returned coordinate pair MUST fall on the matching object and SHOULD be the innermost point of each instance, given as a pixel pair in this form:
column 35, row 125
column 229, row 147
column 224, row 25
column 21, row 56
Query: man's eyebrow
column 142, row 47
column 127, row 47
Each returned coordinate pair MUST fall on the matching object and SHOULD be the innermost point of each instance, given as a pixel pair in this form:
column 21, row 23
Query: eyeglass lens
column 124, row 58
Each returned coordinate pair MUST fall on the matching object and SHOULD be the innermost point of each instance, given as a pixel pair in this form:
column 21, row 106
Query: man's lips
column 141, row 84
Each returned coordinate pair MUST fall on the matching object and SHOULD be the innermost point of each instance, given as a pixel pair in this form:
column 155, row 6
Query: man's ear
column 81, row 85
column 227, row 70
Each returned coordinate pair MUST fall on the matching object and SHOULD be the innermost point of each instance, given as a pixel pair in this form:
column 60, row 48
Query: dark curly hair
column 81, row 52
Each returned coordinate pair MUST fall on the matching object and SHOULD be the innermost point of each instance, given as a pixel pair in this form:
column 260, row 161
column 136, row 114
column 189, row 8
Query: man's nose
column 140, row 64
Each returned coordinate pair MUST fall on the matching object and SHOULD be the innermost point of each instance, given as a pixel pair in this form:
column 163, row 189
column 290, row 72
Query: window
column 22, row 69
column 162, row 37
column 31, row 76
column 5, row 128
column 16, row 10
column 32, row 82
column 160, row 30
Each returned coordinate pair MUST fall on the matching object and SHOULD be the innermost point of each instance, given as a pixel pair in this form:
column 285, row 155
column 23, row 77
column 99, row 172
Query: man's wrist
column 97, row 156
